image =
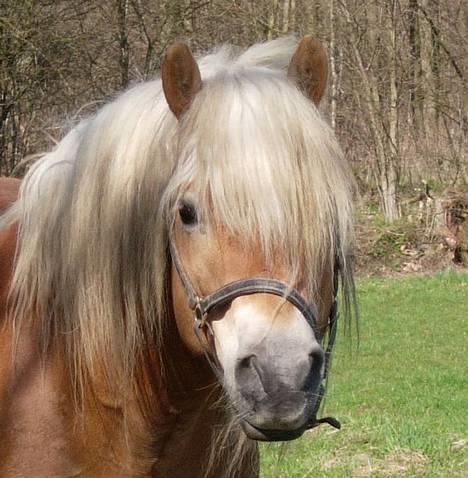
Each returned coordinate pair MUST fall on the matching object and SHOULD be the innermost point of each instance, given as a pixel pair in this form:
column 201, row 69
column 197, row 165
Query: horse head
column 246, row 301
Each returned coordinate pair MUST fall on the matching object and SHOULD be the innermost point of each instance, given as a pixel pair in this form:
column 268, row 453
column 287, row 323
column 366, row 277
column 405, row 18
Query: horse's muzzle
column 277, row 407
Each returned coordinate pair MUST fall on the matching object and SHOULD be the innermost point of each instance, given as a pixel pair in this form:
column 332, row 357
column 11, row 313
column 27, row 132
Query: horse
column 169, row 273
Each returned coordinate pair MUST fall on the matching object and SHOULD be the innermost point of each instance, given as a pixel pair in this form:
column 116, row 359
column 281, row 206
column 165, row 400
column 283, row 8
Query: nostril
column 317, row 357
column 249, row 376
column 247, row 362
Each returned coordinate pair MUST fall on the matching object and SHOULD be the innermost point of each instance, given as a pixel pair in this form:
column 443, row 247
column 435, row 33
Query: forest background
column 397, row 95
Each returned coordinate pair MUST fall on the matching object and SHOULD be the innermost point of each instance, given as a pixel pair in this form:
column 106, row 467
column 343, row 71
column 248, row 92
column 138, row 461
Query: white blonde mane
column 94, row 212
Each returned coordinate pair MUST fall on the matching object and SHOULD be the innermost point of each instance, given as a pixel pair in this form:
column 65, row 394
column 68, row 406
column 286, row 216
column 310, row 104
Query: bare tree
column 398, row 89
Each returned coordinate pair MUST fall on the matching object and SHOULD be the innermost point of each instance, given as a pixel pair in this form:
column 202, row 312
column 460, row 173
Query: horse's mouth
column 262, row 434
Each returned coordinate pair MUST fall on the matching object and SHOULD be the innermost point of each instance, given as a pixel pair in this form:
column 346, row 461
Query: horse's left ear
column 308, row 69
column 181, row 79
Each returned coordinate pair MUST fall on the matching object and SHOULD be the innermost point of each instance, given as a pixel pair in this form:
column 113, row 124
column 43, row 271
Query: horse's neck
column 34, row 438
column 199, row 442
column 8, row 194
column 192, row 406
column 170, row 421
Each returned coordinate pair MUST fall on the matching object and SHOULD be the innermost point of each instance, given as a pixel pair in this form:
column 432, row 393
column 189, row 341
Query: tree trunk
column 390, row 185
column 272, row 19
column 385, row 159
column 427, row 84
column 333, row 74
column 415, row 99
column 124, row 54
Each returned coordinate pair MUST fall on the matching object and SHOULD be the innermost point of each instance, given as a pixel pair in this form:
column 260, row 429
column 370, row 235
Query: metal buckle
column 200, row 316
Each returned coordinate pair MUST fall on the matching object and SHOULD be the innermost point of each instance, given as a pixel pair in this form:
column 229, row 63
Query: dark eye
column 188, row 214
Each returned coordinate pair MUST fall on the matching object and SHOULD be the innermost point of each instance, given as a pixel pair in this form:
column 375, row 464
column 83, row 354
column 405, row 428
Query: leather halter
column 201, row 307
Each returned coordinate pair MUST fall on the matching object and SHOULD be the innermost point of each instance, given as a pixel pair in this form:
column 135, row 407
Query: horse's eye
column 188, row 214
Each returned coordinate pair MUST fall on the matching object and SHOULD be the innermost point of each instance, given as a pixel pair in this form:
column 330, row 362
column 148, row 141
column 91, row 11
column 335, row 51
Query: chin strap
column 333, row 422
column 314, row 421
column 332, row 326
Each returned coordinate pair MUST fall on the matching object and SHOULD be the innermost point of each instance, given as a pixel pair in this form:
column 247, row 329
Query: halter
column 202, row 305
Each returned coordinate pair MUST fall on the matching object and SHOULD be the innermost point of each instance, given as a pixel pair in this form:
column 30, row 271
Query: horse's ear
column 181, row 78
column 308, row 69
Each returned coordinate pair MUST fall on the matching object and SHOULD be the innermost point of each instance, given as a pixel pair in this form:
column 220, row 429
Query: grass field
column 402, row 397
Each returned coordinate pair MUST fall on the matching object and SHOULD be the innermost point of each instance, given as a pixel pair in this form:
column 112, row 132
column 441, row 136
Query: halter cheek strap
column 332, row 327
column 201, row 307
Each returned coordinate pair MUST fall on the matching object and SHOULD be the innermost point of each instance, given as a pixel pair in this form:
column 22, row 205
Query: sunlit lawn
column 402, row 397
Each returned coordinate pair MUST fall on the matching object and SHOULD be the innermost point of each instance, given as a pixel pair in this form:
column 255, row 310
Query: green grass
column 402, row 396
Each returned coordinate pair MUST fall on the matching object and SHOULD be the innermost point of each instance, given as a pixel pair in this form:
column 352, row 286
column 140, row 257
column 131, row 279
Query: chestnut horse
column 168, row 273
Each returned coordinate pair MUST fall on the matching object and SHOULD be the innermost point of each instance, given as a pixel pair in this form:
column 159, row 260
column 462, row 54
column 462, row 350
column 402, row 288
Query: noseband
column 201, row 306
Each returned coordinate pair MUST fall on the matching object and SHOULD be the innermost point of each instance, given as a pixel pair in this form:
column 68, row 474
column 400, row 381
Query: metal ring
column 200, row 315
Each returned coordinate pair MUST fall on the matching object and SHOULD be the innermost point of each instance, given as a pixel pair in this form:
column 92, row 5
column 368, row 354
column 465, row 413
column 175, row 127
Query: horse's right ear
column 308, row 68
column 181, row 79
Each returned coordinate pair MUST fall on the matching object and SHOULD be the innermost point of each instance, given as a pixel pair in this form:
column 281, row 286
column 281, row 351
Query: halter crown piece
column 201, row 307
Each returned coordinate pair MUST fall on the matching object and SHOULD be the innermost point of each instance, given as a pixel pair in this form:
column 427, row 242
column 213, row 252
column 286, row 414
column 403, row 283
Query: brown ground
column 431, row 236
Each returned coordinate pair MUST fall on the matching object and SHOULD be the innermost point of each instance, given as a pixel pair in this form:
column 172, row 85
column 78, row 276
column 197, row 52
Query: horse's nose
column 280, row 393
column 259, row 375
